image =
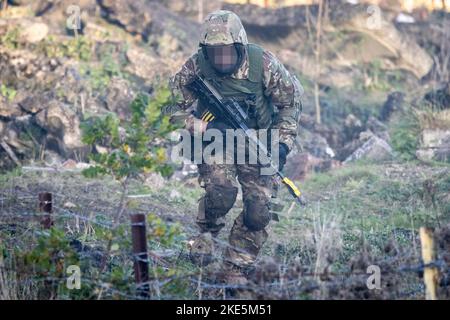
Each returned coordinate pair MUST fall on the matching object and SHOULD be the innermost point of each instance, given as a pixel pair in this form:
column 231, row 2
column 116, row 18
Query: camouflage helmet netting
column 223, row 27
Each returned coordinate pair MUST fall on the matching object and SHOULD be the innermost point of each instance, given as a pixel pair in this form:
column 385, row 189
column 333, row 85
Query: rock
column 8, row 109
column 300, row 165
column 394, row 103
column 154, row 181
column 397, row 47
column 434, row 138
column 315, row 144
column 440, row 98
column 37, row 102
column 34, row 32
column 100, row 149
column 63, row 124
column 351, row 146
column 52, row 158
column 186, row 172
column 2, row 129
column 372, row 148
column 12, row 135
column 329, row 76
column 119, row 96
column 190, row 8
column 404, row 18
column 95, row 32
column 145, row 65
column 154, row 23
column 26, row 69
column 69, row 205
column 378, row 128
column 435, row 145
column 21, row 2
column 352, row 127
column 69, row 164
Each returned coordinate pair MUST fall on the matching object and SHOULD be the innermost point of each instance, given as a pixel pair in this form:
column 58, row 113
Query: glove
column 284, row 150
column 191, row 122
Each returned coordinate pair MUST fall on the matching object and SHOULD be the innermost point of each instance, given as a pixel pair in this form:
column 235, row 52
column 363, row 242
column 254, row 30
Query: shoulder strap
column 205, row 68
column 255, row 54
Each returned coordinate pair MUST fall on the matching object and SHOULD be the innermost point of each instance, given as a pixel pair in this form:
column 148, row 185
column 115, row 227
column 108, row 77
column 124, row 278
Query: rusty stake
column 139, row 237
column 45, row 205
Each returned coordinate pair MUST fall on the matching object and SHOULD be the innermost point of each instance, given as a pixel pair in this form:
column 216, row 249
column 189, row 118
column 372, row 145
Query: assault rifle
column 229, row 111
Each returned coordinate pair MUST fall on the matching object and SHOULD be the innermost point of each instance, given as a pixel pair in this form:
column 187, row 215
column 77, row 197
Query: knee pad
column 219, row 199
column 257, row 215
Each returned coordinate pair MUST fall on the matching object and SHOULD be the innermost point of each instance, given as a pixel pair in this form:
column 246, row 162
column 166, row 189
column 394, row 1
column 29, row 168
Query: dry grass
column 429, row 119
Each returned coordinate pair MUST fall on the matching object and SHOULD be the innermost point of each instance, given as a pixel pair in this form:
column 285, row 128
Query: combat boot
column 202, row 250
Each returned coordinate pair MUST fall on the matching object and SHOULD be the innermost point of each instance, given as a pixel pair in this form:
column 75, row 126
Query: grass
column 11, row 38
column 79, row 48
column 355, row 211
column 433, row 119
column 361, row 208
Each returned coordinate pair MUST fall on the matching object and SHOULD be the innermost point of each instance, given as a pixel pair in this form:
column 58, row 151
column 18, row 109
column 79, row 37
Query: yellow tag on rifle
column 208, row 116
column 292, row 186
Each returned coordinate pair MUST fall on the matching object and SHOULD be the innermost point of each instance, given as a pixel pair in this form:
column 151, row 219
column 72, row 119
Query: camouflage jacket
column 283, row 89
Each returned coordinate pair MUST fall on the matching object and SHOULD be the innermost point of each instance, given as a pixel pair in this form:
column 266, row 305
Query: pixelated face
column 223, row 58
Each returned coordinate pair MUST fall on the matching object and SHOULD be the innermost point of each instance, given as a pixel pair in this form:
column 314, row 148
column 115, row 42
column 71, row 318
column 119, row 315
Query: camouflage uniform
column 219, row 180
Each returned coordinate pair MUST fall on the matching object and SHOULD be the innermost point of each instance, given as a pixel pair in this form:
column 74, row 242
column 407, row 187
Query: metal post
column 139, row 238
column 45, row 205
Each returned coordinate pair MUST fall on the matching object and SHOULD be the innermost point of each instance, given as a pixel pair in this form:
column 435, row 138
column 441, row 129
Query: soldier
column 240, row 70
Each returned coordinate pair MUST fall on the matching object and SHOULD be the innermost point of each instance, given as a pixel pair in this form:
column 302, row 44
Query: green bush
column 79, row 48
column 135, row 151
column 10, row 39
column 7, row 92
column 405, row 135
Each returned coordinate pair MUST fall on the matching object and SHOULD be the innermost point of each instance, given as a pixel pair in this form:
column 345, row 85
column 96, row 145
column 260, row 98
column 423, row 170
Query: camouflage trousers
column 248, row 233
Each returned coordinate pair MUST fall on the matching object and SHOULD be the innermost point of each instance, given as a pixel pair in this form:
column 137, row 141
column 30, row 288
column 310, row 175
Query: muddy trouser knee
column 220, row 194
column 248, row 233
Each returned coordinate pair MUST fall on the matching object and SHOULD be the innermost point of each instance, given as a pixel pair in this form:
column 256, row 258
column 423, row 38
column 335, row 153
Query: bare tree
column 317, row 60
column 200, row 11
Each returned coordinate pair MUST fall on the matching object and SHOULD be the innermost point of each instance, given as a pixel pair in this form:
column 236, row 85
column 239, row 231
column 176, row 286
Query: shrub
column 405, row 135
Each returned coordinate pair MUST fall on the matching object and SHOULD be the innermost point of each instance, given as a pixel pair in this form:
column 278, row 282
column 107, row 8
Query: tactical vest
column 249, row 92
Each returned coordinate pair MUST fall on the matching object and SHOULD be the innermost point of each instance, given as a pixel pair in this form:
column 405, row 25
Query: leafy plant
column 8, row 93
column 132, row 147
column 10, row 39
column 161, row 232
column 79, row 48
column 48, row 260
column 100, row 75
column 134, row 151
column 405, row 136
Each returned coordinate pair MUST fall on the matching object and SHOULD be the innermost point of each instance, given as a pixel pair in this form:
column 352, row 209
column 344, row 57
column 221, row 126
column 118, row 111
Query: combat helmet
column 223, row 27
column 223, row 41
